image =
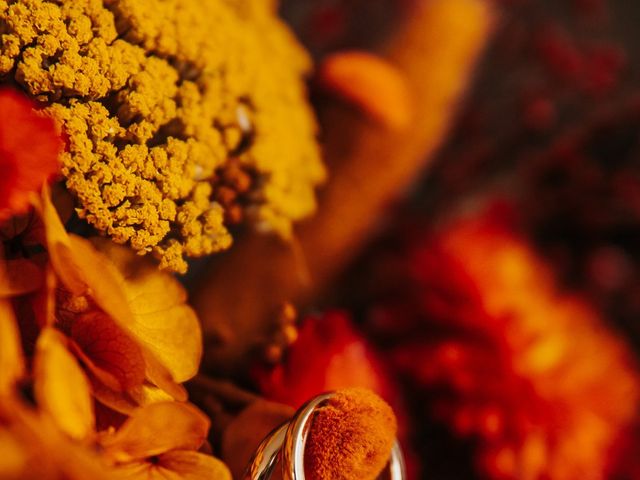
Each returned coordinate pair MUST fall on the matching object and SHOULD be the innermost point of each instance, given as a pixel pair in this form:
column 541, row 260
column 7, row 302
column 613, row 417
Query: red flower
column 29, row 149
column 532, row 374
column 329, row 354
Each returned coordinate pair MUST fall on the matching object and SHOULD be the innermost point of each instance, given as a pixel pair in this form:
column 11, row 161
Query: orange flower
column 15, row 278
column 59, row 439
column 329, row 354
column 29, row 149
column 156, row 442
column 41, row 443
column 532, row 374
column 126, row 321
column 160, row 440
column 132, row 350
column 34, row 448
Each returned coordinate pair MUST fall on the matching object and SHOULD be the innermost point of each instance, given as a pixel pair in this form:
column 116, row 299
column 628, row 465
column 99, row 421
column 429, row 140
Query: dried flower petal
column 58, row 245
column 61, row 387
column 179, row 464
column 14, row 458
column 50, row 453
column 194, row 466
column 29, row 149
column 157, row 429
column 127, row 402
column 161, row 317
column 107, row 351
column 11, row 358
column 44, row 301
column 170, row 334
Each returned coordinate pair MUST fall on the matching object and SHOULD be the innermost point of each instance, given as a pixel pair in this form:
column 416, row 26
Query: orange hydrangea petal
column 178, row 465
column 161, row 318
column 156, row 429
column 194, row 466
column 11, row 357
column 85, row 270
column 160, row 376
column 61, row 387
column 107, row 288
column 51, row 453
column 147, row 394
column 80, row 267
column 127, row 402
column 120, row 402
column 103, row 280
column 14, row 458
column 58, row 245
column 174, row 337
column 108, row 350
column 44, row 301
column 141, row 470
column 370, row 82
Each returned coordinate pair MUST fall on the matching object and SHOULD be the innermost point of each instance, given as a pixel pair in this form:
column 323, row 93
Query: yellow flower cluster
column 182, row 116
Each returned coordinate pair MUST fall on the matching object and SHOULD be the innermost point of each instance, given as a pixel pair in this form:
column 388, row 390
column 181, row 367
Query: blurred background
column 493, row 298
column 537, row 185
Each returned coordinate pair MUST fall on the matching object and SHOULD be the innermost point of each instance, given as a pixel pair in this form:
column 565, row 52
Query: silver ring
column 287, row 443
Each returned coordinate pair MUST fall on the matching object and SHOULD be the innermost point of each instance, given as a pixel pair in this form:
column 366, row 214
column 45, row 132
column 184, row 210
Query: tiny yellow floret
column 181, row 116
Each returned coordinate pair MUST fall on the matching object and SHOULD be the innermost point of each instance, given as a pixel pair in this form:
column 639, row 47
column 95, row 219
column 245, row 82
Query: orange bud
column 356, row 418
column 370, row 82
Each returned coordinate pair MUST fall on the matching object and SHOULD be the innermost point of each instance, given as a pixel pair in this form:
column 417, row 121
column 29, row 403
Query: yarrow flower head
column 29, row 150
column 182, row 117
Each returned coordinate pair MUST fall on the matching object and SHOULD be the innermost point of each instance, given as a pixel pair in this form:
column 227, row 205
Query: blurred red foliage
column 472, row 319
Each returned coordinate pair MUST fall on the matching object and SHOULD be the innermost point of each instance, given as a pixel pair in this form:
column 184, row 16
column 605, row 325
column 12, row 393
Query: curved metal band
column 296, row 438
column 266, row 456
column 288, row 441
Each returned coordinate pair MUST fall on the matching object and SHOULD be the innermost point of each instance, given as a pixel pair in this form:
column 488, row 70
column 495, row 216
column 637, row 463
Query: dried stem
column 369, row 167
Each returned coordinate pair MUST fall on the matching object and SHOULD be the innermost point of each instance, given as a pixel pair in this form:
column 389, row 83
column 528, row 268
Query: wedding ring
column 286, row 443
